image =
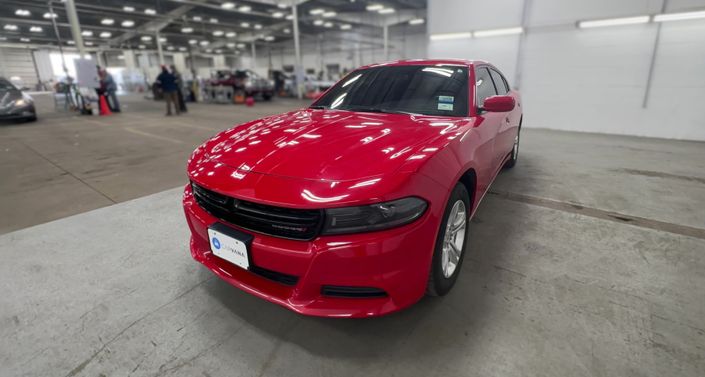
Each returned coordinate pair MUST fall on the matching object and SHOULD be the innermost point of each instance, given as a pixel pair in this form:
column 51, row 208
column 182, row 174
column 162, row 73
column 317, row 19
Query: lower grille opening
column 275, row 276
column 352, row 292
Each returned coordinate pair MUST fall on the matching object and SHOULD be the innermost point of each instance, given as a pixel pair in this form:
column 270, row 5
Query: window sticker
column 445, row 106
column 445, row 103
column 446, row 99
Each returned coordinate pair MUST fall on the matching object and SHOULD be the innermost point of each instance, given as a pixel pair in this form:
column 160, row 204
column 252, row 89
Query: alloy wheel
column 454, row 238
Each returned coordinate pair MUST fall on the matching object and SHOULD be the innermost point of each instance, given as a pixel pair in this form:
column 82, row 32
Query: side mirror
column 499, row 104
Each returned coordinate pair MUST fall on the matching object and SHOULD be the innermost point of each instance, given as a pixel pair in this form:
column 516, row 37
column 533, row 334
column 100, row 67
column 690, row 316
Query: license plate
column 230, row 244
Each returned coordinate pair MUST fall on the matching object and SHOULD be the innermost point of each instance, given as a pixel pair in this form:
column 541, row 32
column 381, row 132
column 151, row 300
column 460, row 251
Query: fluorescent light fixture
column 70, row 43
column 187, row 30
column 245, row 8
column 36, row 29
column 49, row 15
column 170, row 48
column 227, row 5
column 218, row 33
column 679, row 16
column 374, row 7
column 150, row 11
column 245, row 24
column 146, row 38
column 121, row 57
column 142, row 47
column 128, row 9
column 209, row 50
column 289, row 17
column 23, row 13
column 498, row 32
column 213, row 20
column 417, row 21
column 258, row 26
column 278, row 14
column 329, row 14
column 614, row 22
column 316, row 11
column 182, row 48
column 204, row 43
column 218, row 51
column 287, row 31
column 162, row 39
column 87, row 33
column 241, row 45
column 192, row 41
column 269, row 38
column 449, row 36
column 128, row 23
column 318, row 22
column 345, row 27
column 10, row 27
column 328, row 24
column 106, row 34
column 107, row 21
column 231, row 34
column 88, row 43
column 24, row 40
column 386, row 11
column 230, row 45
column 197, row 18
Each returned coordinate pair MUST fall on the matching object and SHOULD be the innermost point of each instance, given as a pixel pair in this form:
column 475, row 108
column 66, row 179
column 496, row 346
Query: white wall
column 591, row 80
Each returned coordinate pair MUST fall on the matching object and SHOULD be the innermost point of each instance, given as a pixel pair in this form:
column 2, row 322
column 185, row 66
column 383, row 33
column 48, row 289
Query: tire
column 267, row 96
column 33, row 118
column 515, row 151
column 444, row 272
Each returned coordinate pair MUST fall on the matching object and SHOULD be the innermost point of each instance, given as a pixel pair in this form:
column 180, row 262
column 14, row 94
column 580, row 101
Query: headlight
column 373, row 217
column 21, row 102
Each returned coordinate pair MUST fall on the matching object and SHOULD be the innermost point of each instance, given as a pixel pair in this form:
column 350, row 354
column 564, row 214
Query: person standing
column 167, row 82
column 109, row 89
column 179, row 89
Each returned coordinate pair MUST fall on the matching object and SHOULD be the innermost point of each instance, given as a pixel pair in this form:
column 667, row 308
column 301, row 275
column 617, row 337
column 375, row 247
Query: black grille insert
column 275, row 276
column 298, row 224
column 352, row 292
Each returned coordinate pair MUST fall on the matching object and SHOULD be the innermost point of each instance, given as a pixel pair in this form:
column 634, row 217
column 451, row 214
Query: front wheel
column 450, row 244
column 515, row 151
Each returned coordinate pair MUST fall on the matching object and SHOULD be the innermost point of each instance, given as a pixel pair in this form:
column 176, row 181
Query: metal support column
column 386, row 42
column 522, row 42
column 159, row 48
column 254, row 56
column 654, row 52
column 72, row 15
column 298, row 69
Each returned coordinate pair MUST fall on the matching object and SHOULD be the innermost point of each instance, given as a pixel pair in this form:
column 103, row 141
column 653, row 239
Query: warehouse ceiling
column 205, row 24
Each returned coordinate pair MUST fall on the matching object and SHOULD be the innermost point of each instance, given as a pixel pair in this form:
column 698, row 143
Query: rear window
column 417, row 89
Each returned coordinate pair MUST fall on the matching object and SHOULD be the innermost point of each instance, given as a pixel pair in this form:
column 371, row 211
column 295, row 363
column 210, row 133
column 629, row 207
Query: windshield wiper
column 317, row 107
column 380, row 110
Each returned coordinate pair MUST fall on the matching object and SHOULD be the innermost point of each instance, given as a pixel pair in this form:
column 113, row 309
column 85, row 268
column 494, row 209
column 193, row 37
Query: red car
column 358, row 205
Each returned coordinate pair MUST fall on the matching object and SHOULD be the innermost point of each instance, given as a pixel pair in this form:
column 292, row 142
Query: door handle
column 506, row 119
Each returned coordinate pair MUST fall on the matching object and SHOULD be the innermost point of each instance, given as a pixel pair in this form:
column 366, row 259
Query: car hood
column 328, row 145
column 8, row 96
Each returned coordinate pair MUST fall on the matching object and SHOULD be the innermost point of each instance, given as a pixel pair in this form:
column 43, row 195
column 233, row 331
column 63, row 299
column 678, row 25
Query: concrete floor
column 588, row 259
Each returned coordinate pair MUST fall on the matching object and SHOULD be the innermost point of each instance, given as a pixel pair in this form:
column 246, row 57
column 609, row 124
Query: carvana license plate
column 233, row 246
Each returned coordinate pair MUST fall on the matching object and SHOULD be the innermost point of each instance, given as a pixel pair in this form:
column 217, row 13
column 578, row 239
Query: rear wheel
column 452, row 238
column 515, row 151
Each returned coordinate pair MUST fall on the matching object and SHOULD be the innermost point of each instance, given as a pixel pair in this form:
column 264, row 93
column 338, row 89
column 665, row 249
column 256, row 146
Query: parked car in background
column 246, row 82
column 360, row 204
column 15, row 104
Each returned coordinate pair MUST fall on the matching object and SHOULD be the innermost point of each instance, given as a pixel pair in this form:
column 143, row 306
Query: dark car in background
column 14, row 104
column 246, row 82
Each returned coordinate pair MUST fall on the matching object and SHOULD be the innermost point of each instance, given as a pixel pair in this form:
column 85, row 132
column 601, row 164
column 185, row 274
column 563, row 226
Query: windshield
column 6, row 85
column 416, row 89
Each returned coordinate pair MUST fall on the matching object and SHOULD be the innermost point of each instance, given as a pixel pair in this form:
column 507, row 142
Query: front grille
column 279, row 277
column 297, row 224
column 352, row 292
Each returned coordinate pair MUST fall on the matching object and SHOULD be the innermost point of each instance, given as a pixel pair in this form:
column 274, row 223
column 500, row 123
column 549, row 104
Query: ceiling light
column 328, row 24
column 150, row 11
column 187, row 30
column 107, row 21
column 182, row 48
column 197, row 18
column 50, row 15
column 213, row 20
column 128, row 9
column 329, row 14
column 227, row 5
column 204, row 43
column 128, row 23
column 287, row 31
column 121, row 57
column 146, row 38
column 278, row 14
column 448, row 36
column 218, row 33
column 192, row 41
column 316, row 11
column 614, row 22
column 88, row 43
column 105, row 34
column 23, row 13
column 318, row 22
column 209, row 50
column 71, row 43
column 241, row 45
column 219, row 51
column 679, row 16
column 417, row 21
column 269, row 38
column 245, row 24
column 162, row 40
column 87, row 33
column 24, row 39
column 142, row 47
column 230, row 45
column 36, row 29
column 170, row 48
column 258, row 26
column 289, row 17
column 345, row 27
column 10, row 27
column 498, row 32
column 386, row 11
column 374, row 7
column 245, row 8
column 231, row 34
column 282, row 6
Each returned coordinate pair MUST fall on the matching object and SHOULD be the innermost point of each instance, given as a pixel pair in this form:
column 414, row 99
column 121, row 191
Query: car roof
column 461, row 62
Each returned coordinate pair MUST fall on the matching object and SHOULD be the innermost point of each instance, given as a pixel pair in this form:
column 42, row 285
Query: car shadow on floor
column 434, row 324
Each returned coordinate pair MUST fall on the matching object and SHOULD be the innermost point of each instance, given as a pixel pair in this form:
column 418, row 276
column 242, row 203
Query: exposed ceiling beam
column 155, row 25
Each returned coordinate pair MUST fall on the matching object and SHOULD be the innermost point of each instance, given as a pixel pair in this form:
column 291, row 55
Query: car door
column 490, row 122
column 510, row 120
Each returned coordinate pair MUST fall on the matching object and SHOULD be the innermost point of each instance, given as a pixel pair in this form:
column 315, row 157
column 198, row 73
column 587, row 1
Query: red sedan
column 358, row 205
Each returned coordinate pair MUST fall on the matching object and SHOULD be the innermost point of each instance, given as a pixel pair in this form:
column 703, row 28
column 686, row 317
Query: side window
column 499, row 82
column 483, row 86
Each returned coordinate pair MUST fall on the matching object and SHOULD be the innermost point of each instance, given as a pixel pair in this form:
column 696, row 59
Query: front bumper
column 18, row 113
column 396, row 261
